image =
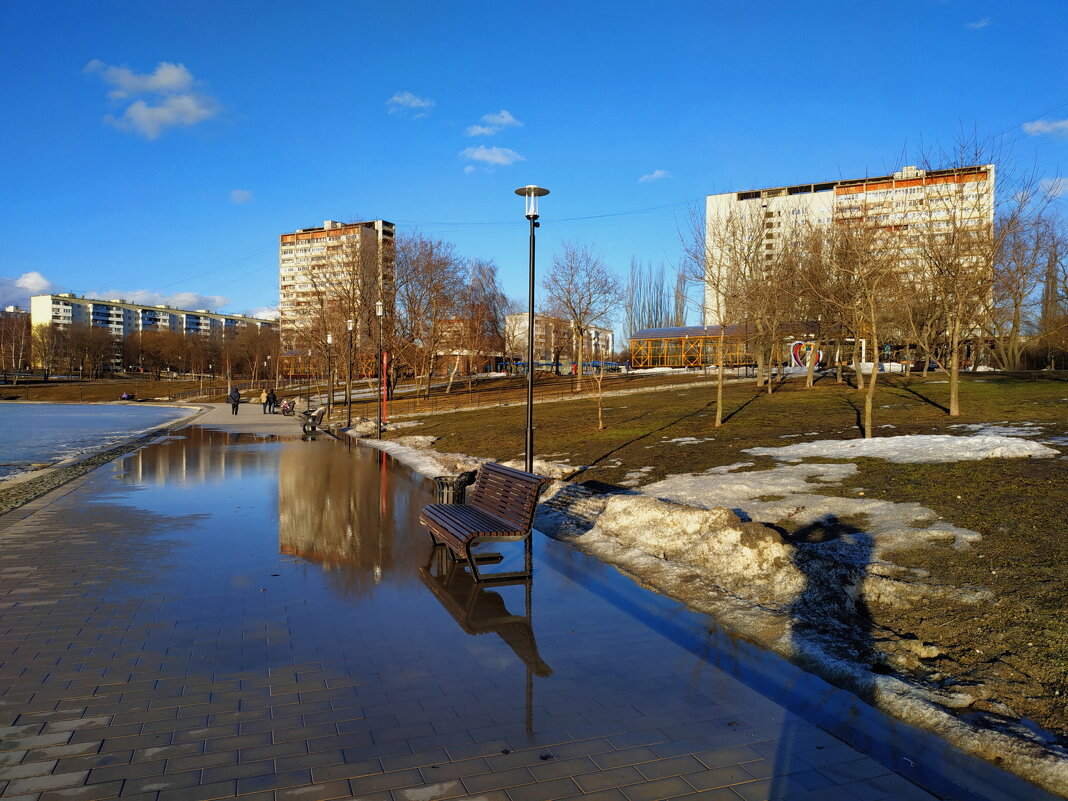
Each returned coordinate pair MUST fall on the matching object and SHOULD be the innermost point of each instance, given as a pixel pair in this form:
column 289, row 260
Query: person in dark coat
column 235, row 399
column 272, row 402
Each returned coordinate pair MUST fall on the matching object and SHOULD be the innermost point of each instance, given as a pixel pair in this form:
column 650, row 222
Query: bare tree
column 47, row 347
column 14, row 343
column 859, row 284
column 585, row 290
column 429, row 276
column 1021, row 260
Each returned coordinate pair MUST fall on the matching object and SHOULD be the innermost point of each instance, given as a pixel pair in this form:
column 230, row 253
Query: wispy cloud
column 655, row 175
column 1052, row 127
column 408, row 105
column 17, row 291
column 490, row 124
column 173, row 99
column 1055, row 187
column 240, row 196
column 978, row 24
column 497, row 156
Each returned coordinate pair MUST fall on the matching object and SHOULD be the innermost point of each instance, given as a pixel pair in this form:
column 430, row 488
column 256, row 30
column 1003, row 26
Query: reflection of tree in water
column 196, row 455
column 351, row 512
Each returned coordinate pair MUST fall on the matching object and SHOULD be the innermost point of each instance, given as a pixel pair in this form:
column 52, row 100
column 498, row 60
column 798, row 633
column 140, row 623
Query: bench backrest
column 507, row 493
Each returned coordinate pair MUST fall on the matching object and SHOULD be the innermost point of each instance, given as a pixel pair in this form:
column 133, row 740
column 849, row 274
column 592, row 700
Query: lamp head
column 531, row 193
column 349, row 325
column 329, row 339
column 378, row 308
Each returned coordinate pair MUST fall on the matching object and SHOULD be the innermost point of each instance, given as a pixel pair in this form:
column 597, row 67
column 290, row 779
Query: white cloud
column 167, row 78
column 172, row 100
column 493, row 123
column 469, row 169
column 1053, row 127
column 149, row 121
column 978, row 24
column 17, row 291
column 151, row 297
column 1055, row 187
column 407, row 104
column 655, row 175
column 240, row 196
column 263, row 313
column 501, row 156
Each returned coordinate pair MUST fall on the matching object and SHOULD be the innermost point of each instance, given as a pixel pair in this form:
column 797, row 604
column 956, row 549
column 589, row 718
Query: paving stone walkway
column 119, row 683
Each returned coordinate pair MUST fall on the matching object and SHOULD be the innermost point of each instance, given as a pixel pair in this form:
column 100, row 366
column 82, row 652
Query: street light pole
column 381, row 372
column 348, row 382
column 329, row 378
column 531, row 193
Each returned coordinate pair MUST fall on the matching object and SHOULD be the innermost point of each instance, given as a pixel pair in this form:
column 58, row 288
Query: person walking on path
column 235, row 399
column 272, row 401
column 263, row 400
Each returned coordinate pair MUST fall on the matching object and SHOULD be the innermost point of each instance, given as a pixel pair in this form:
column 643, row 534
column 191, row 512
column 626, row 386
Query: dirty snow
column 913, row 448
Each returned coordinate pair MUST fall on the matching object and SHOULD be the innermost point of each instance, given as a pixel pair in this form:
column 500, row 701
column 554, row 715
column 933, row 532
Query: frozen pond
column 37, row 433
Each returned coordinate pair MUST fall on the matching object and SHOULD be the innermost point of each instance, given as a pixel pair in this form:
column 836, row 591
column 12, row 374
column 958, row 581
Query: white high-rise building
column 908, row 204
column 312, row 262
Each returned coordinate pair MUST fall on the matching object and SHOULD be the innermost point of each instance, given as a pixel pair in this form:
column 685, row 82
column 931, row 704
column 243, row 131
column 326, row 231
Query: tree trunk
column 856, row 367
column 869, row 397
column 719, row 382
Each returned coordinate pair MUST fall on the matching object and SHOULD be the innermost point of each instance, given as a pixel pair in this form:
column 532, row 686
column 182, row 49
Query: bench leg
column 473, row 560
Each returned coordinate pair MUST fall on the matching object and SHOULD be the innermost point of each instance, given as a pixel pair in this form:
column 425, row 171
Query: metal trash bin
column 451, row 489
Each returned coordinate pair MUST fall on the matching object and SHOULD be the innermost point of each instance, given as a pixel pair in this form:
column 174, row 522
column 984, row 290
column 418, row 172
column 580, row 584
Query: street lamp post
column 381, row 372
column 329, row 378
column 349, row 324
column 531, row 193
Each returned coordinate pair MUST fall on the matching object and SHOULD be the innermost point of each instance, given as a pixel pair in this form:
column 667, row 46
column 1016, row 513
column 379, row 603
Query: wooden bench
column 499, row 507
column 313, row 420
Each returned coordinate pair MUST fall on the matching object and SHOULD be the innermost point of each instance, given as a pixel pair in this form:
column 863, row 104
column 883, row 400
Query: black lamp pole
column 348, row 381
column 531, row 193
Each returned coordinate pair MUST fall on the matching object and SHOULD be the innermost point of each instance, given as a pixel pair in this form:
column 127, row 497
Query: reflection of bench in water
column 313, row 420
column 480, row 611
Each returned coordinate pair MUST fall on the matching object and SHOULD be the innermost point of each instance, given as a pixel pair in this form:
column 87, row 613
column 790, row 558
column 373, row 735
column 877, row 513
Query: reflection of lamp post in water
column 348, row 380
column 329, row 378
column 381, row 370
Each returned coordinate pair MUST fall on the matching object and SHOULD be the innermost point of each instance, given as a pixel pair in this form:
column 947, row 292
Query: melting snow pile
column 692, row 537
column 914, row 448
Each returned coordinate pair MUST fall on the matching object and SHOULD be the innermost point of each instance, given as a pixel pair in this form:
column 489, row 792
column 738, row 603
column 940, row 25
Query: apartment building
column 121, row 318
column 553, row 335
column 906, row 206
column 317, row 265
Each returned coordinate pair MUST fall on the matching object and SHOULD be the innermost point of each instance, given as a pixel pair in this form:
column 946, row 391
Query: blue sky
column 156, row 150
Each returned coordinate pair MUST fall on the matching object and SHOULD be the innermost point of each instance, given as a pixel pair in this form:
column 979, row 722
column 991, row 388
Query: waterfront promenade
column 147, row 657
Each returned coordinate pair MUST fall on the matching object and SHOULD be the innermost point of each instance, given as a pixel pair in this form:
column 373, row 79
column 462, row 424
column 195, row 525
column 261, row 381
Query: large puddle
column 244, row 558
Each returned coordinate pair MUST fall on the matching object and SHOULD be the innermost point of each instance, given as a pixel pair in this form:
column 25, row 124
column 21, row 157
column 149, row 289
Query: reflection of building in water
column 346, row 511
column 195, row 456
